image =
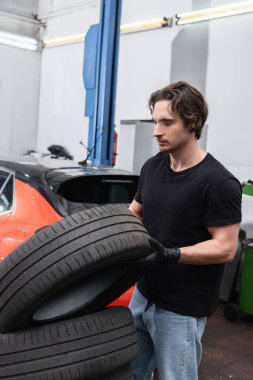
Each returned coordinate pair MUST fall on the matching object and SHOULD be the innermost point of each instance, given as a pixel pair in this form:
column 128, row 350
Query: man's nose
column 157, row 131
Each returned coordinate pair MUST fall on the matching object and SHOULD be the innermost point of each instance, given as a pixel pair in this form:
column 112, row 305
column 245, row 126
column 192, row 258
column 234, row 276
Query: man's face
column 170, row 131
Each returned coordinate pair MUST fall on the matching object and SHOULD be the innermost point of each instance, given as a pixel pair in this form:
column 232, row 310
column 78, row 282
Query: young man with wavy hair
column 191, row 207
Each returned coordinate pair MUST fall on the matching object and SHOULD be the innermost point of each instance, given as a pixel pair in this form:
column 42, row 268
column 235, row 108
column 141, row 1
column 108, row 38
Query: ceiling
column 31, row 8
column 25, row 8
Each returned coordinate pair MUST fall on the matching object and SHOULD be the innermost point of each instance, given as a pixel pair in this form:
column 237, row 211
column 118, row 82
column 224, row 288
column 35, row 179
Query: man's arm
column 136, row 209
column 220, row 249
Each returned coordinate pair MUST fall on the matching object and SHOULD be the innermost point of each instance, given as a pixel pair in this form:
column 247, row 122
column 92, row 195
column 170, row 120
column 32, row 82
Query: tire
column 232, row 312
column 88, row 347
column 58, row 259
column 122, row 374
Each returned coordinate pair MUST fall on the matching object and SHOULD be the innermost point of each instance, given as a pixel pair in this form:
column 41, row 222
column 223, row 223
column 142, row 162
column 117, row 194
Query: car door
column 28, row 212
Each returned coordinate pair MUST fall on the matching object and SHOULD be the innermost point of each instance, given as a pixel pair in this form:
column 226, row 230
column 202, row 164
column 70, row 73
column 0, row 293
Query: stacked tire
column 53, row 293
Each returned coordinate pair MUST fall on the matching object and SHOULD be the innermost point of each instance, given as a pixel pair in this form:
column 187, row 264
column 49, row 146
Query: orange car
column 38, row 192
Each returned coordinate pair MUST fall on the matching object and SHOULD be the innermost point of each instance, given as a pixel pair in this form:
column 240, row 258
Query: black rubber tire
column 62, row 255
column 232, row 312
column 122, row 374
column 87, row 347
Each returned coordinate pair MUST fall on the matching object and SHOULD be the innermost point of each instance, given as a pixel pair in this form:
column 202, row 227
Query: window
column 6, row 191
column 100, row 189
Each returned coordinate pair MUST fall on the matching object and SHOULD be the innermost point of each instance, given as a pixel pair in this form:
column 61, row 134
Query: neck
column 184, row 160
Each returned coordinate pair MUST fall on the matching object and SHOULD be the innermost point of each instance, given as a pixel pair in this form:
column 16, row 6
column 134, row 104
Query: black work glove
column 161, row 254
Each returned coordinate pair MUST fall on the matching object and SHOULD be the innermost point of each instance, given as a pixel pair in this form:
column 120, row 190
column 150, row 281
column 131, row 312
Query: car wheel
column 76, row 264
column 88, row 347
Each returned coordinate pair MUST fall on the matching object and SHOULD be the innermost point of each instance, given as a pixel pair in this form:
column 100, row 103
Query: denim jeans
column 168, row 341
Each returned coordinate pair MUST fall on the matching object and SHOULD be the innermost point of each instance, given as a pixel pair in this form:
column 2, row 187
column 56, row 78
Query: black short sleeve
column 178, row 208
column 224, row 204
column 138, row 195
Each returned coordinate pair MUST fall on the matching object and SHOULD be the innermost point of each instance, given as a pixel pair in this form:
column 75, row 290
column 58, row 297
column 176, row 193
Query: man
column 191, row 207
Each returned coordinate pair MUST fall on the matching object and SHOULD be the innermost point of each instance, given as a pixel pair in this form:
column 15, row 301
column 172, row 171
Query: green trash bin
column 246, row 285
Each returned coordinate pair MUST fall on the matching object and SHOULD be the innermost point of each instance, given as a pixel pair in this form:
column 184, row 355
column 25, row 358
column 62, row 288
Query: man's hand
column 161, row 254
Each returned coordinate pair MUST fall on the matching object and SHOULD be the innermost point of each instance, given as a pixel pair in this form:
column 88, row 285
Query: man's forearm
column 208, row 252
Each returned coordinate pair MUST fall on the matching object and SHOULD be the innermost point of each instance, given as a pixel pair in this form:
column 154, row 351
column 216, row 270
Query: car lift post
column 100, row 77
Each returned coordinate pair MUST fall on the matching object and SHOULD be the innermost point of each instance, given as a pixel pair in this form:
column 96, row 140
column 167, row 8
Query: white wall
column 62, row 93
column 19, row 97
column 41, row 93
column 61, row 106
column 147, row 60
column 145, row 64
column 135, row 144
column 144, row 57
column 19, row 80
column 66, row 17
column 229, row 93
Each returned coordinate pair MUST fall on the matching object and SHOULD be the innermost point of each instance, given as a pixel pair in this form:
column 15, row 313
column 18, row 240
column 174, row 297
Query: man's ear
column 192, row 128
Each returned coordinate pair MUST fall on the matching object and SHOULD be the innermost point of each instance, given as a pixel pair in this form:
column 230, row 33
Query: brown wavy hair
column 186, row 102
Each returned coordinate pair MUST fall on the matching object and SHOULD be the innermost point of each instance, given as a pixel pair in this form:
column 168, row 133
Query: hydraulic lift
column 100, row 77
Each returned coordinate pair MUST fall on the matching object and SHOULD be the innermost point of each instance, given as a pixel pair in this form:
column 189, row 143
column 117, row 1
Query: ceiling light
column 124, row 29
column 146, row 25
column 74, row 38
column 18, row 41
column 213, row 13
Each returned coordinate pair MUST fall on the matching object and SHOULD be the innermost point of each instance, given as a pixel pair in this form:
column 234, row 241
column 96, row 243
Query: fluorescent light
column 126, row 28
column 74, row 38
column 146, row 25
column 22, row 42
column 213, row 13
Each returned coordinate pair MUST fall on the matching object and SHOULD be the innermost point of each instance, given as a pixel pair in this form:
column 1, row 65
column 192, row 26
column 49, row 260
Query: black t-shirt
column 178, row 207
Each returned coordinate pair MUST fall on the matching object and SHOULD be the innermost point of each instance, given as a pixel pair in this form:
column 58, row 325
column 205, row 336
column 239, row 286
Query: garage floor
column 227, row 348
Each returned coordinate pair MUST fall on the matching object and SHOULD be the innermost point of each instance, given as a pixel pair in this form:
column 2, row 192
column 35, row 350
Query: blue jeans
column 168, row 341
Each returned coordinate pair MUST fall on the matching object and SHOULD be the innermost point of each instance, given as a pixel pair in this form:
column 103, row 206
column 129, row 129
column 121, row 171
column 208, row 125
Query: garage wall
column 19, row 80
column 61, row 105
column 215, row 56
column 62, row 94
column 229, row 92
column 147, row 61
column 19, row 74
column 151, row 59
column 229, row 89
column 145, row 57
column 41, row 93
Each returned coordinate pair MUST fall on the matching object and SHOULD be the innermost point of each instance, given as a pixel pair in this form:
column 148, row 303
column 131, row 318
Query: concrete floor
column 227, row 348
